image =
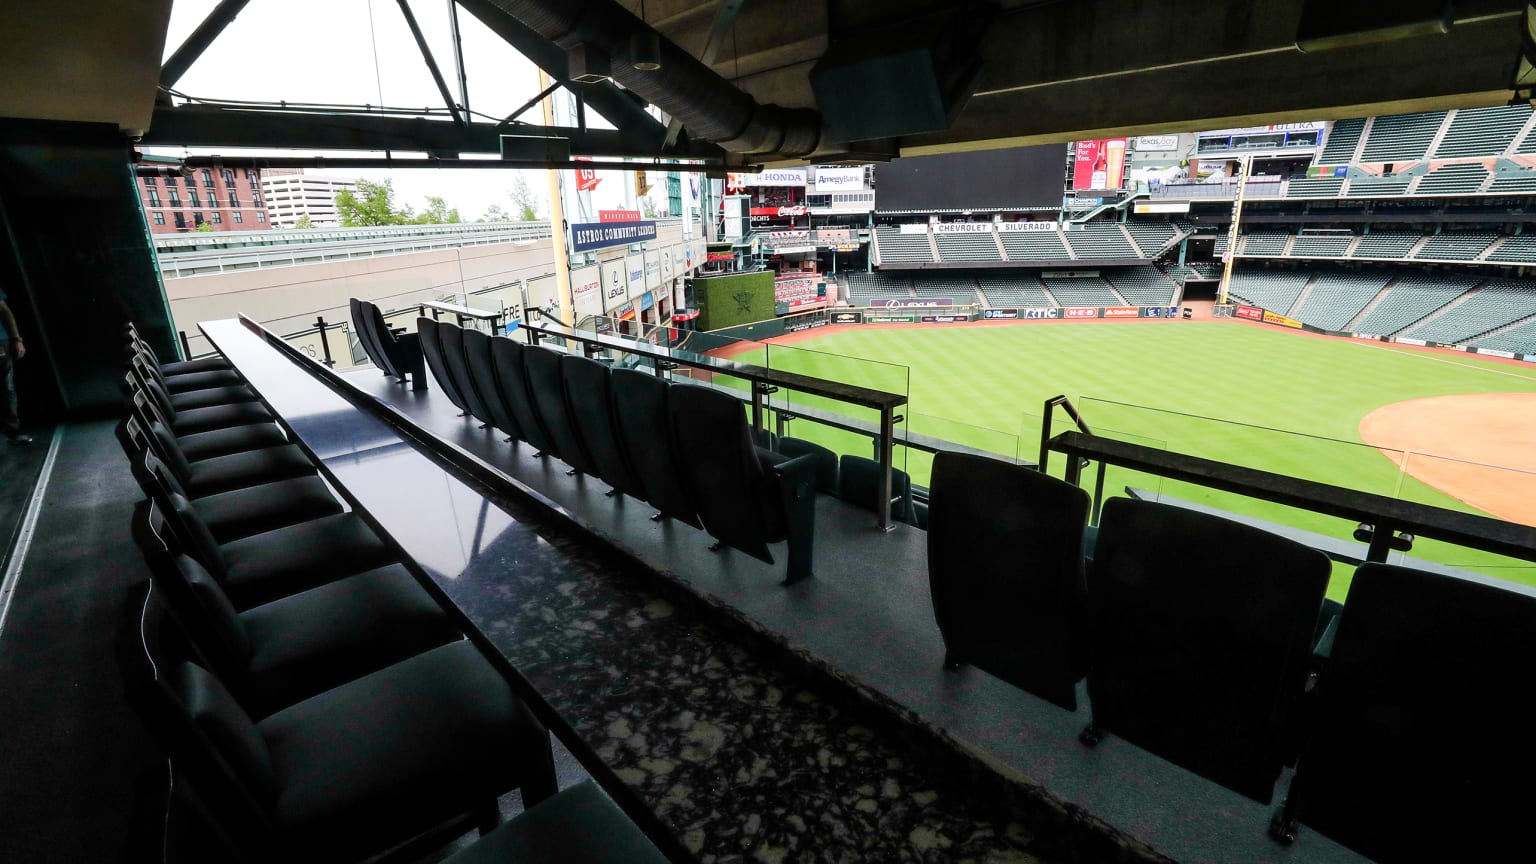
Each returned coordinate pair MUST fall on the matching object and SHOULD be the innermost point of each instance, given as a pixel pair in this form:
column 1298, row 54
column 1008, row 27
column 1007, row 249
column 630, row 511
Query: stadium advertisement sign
column 945, row 319
column 963, row 228
column 839, row 179
column 888, row 319
column 586, row 295
column 1272, row 318
column 1081, row 312
column 615, row 286
column 1040, row 313
column 1494, row 352
column 1011, row 227
column 911, row 302
column 1159, row 311
column 1252, row 313
column 1000, row 313
column 586, row 236
column 847, row 317
column 1122, row 311
column 1099, row 164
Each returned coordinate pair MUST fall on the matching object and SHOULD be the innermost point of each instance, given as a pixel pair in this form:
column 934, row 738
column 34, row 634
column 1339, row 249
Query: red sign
column 618, row 215
column 586, row 178
column 720, row 256
column 798, row 210
column 1099, row 164
column 1082, row 312
column 1122, row 311
column 1250, row 312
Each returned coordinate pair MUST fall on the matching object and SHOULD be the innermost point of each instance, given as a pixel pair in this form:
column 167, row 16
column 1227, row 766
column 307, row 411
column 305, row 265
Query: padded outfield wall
column 733, row 299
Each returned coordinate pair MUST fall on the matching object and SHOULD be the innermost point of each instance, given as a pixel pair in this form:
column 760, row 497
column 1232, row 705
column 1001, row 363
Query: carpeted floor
column 78, row 773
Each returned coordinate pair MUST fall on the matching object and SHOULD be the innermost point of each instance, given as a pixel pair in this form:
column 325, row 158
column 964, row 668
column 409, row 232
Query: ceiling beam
column 194, row 126
column 221, row 17
column 426, row 55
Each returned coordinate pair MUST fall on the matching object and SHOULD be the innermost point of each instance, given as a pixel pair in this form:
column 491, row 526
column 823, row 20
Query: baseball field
column 1436, row 427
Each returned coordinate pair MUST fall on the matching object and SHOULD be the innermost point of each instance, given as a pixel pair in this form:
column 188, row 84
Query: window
column 207, row 178
column 218, row 218
column 238, row 217
column 197, row 219
column 229, row 177
column 159, row 218
column 192, row 198
column 154, row 197
column 234, row 198
column 181, row 221
column 256, row 197
column 175, row 197
column 150, row 182
column 254, row 182
column 261, row 216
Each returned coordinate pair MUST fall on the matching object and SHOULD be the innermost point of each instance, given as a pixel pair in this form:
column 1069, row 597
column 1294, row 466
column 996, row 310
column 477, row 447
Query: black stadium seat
column 512, row 381
column 1200, row 639
column 398, row 357
column 1005, row 565
column 192, row 420
column 285, row 651
column 859, row 484
column 224, row 473
column 547, row 387
column 747, row 497
column 215, row 442
column 399, row 754
column 578, row 826
column 242, row 512
column 590, row 392
column 1418, row 752
column 477, row 355
column 452, row 340
column 363, row 326
column 642, row 406
column 826, row 461
column 432, row 352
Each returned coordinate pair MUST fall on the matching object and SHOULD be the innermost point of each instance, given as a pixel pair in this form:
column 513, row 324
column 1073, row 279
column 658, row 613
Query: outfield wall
column 1264, row 316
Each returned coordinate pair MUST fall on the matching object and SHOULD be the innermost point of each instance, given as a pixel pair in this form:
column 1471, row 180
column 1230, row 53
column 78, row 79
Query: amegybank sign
column 840, row 179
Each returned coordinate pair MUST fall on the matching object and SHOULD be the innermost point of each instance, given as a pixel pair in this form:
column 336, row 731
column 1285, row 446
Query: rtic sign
column 1040, row 313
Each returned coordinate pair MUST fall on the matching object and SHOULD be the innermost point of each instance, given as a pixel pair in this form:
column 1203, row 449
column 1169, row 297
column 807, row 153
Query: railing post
column 1381, row 542
column 757, row 406
column 325, row 344
column 887, row 451
column 186, row 349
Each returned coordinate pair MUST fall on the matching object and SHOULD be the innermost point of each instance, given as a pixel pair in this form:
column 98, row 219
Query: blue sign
column 586, row 236
column 647, row 300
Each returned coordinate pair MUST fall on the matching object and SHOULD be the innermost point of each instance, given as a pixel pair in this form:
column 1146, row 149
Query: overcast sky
column 330, row 51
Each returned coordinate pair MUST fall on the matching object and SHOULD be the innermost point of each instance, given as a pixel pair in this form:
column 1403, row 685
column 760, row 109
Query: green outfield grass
column 1155, row 382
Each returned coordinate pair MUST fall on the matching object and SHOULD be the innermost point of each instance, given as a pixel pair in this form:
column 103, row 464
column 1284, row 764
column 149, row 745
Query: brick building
column 228, row 199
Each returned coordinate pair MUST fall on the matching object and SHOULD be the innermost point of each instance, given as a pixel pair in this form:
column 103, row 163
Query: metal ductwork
column 710, row 107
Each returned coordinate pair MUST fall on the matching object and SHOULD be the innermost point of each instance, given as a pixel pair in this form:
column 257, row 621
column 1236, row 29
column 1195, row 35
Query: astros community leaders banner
column 586, row 236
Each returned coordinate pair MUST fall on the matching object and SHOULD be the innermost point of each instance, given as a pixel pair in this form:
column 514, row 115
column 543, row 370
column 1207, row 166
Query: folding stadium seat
column 432, row 352
column 363, row 324
column 415, row 751
column 205, row 397
column 746, row 497
column 826, row 461
column 507, row 355
column 264, row 567
column 188, row 421
column 1200, row 639
column 590, row 391
column 642, row 405
column 578, row 826
column 219, row 473
column 222, row 441
column 1005, row 565
column 399, row 356
column 1419, row 753
column 285, row 651
column 482, row 372
column 176, row 367
column 859, row 480
column 242, row 512
column 547, row 387
column 451, row 338
column 181, row 382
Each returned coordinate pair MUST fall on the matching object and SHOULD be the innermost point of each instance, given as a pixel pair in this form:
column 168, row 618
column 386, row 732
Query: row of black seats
column 1208, row 643
column 396, row 352
column 687, row 450
column 317, row 703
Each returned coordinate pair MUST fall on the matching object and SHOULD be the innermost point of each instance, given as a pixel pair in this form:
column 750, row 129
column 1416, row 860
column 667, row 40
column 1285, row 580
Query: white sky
column 325, row 51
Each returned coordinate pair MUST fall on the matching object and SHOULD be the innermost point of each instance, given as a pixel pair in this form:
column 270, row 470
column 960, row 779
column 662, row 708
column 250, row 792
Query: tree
column 304, row 222
column 371, row 204
column 438, row 212
column 525, row 204
column 204, row 226
column 495, row 213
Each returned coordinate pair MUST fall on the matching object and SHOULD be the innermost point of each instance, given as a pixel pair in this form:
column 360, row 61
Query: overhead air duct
column 710, row 107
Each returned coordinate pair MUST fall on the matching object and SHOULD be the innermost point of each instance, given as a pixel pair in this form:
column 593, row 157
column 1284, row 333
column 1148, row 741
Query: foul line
column 28, row 528
column 1425, row 355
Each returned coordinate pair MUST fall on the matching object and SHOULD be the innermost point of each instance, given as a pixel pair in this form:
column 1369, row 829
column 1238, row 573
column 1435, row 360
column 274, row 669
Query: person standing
column 11, row 350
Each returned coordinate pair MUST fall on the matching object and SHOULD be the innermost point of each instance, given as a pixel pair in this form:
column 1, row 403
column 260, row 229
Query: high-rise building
column 293, row 193
column 225, row 199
